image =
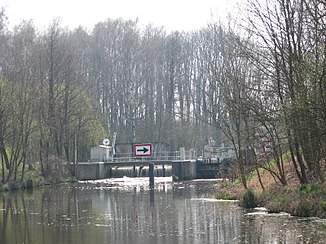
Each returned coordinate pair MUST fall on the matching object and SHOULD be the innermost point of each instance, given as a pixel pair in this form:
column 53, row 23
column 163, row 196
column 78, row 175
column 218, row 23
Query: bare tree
column 285, row 31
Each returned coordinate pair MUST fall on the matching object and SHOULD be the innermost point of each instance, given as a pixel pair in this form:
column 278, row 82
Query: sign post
column 143, row 150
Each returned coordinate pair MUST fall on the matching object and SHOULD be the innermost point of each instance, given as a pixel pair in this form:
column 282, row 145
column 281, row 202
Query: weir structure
column 181, row 166
column 180, row 169
column 149, row 159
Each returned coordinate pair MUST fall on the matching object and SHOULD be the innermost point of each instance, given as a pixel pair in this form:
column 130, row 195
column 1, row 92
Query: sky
column 181, row 15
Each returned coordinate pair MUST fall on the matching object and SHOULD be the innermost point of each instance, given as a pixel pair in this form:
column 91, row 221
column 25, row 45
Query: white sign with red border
column 143, row 150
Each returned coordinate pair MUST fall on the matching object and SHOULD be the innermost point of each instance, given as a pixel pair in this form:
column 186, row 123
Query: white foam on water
column 213, row 200
column 265, row 213
column 127, row 181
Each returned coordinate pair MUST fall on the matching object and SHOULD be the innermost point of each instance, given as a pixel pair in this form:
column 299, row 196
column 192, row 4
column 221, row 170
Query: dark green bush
column 249, row 199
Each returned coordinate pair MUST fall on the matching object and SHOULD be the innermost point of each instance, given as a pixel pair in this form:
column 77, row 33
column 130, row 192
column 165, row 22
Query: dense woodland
column 256, row 81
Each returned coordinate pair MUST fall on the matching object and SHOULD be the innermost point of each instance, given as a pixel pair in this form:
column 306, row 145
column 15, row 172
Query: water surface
column 125, row 210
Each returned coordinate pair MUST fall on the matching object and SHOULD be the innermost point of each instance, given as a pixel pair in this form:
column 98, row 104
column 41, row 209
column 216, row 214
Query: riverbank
column 32, row 179
column 298, row 200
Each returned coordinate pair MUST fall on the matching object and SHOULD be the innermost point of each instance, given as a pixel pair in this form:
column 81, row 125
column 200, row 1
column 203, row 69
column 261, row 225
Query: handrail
column 165, row 155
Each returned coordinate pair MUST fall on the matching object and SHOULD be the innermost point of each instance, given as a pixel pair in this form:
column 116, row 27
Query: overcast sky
column 172, row 14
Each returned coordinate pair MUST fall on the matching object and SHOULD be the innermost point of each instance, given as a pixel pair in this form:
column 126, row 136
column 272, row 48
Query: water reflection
column 282, row 228
column 104, row 212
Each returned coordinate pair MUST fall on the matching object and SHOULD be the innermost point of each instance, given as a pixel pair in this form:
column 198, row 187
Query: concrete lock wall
column 91, row 171
column 184, row 170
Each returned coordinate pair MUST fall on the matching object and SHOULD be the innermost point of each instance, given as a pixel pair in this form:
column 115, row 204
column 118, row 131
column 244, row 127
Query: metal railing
column 169, row 156
column 157, row 156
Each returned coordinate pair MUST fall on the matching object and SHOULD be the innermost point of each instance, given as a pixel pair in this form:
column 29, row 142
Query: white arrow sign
column 141, row 150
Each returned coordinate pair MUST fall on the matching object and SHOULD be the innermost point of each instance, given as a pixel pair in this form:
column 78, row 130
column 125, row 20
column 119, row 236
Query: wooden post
column 151, row 175
column 134, row 171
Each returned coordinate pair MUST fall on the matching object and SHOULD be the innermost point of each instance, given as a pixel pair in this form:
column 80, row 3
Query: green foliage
column 225, row 196
column 96, row 132
column 308, row 189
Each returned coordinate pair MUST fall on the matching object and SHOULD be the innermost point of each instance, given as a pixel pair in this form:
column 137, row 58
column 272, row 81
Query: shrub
column 249, row 199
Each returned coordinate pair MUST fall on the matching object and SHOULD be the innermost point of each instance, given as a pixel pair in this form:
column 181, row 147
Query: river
column 126, row 211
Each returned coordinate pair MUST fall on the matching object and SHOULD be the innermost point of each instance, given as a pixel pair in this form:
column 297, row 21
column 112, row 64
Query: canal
column 125, row 211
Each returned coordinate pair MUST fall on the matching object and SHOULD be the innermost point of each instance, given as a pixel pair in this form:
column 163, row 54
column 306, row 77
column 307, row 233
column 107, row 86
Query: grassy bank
column 298, row 200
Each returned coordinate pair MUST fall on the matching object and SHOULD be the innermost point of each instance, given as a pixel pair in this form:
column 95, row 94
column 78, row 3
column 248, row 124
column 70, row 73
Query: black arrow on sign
column 144, row 150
